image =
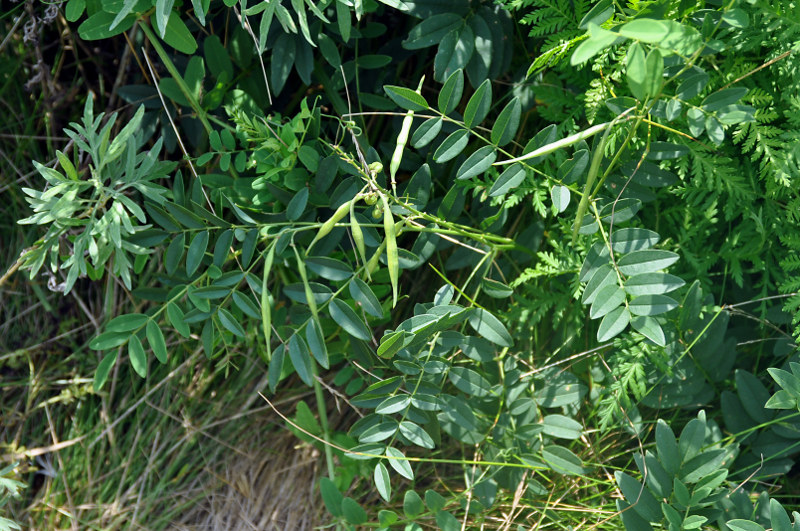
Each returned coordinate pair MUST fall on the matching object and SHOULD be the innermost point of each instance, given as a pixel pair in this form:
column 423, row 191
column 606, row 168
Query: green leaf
column 174, row 253
column 416, row 435
column 297, row 205
column 179, row 37
column 702, row 465
column 455, row 51
column 613, row 324
column 452, row 146
column 599, row 14
column 211, row 292
column 597, row 257
column 196, row 252
column 652, row 304
column 348, row 320
column 507, row 123
column 434, row 500
column 432, row 30
column 406, row 98
column 301, row 359
column 393, row 404
column 353, row 512
column 490, row 327
column 222, row 247
column 692, row 85
column 781, row 400
column 392, row 343
column 331, row 496
column 603, row 276
column 508, row 180
column 343, row 21
column 156, row 339
column 127, row 322
column 246, row 304
column 649, row 328
column 736, row 114
column 469, row 381
column 329, row 268
column 646, row 261
column 714, row 130
column 399, row 463
column 606, row 300
column 645, row 30
column 363, row 296
column 426, row 132
column 753, row 395
column 654, row 73
column 412, row 504
column 666, row 150
column 447, row 522
column 691, row 440
column 737, row 18
column 640, row 498
column 329, row 50
column 316, row 342
column 562, row 460
column 230, row 323
column 627, row 240
column 562, row 427
column 74, row 9
column 696, row 120
column 163, row 12
column 652, row 284
column 477, row 163
column 786, row 380
column 560, row 195
column 176, row 319
column 452, row 90
column 103, row 370
column 636, row 72
column 743, row 525
column 599, row 39
column 648, row 174
column 297, row 292
column 382, row 482
column 478, row 105
column 486, row 47
column 723, row 98
column 667, row 445
column 137, row 356
column 496, row 289
column 282, row 61
column 778, row 517
column 275, row 367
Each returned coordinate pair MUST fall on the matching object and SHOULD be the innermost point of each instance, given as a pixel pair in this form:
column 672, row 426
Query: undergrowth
column 522, row 264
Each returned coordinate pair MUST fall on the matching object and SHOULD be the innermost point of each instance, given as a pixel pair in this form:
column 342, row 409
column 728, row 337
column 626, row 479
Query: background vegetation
column 522, row 264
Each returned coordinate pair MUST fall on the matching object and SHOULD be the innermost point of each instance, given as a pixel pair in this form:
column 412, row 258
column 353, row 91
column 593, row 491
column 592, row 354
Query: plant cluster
column 517, row 269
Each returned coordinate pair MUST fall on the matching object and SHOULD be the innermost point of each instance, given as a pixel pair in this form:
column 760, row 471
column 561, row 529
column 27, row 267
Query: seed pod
column 358, row 235
column 328, row 226
column 402, row 139
column 377, row 212
column 392, row 257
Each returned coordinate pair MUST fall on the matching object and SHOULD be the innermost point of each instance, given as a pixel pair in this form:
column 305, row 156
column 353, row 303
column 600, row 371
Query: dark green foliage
column 595, row 228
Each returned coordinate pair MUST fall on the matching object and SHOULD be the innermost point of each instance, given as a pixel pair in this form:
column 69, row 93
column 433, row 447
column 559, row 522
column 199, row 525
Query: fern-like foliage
column 554, row 26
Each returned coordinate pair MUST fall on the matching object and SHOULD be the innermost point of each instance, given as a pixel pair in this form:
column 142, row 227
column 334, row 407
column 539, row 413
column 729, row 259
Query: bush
column 392, row 204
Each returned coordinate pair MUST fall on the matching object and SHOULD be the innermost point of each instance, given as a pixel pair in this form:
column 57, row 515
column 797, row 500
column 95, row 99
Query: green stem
column 162, row 54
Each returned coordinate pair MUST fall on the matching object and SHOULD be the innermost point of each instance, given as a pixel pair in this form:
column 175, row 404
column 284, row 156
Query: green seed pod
column 371, row 198
column 358, row 235
column 328, row 226
column 377, row 212
column 375, row 168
